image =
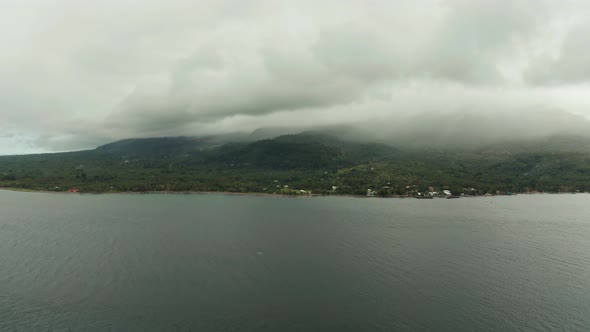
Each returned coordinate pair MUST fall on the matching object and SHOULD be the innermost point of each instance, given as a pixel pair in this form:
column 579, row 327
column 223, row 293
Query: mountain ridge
column 311, row 161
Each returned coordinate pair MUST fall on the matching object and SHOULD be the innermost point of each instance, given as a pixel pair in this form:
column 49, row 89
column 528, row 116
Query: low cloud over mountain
column 75, row 75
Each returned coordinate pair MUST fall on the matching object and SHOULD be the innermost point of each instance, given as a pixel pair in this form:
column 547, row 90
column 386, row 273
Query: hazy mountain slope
column 308, row 161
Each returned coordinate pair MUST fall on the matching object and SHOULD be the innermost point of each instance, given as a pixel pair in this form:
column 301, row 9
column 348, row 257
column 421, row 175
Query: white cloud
column 73, row 74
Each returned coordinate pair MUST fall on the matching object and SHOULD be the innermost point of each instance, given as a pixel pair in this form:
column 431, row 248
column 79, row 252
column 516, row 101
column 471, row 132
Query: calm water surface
column 246, row 263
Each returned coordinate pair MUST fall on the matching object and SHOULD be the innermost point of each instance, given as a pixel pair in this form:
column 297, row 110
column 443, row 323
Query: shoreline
column 184, row 193
column 248, row 193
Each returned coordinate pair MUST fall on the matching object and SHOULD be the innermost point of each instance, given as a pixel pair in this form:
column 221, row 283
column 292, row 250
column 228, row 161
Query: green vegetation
column 291, row 163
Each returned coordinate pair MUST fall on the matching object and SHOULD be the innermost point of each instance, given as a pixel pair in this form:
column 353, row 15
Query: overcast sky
column 77, row 74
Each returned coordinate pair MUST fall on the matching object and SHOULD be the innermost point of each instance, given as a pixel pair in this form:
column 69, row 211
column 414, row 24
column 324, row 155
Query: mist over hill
column 321, row 161
column 465, row 130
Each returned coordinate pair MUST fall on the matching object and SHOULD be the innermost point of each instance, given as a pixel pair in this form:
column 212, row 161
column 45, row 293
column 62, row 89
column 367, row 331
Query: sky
column 78, row 74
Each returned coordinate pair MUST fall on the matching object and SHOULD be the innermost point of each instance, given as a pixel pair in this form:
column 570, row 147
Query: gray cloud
column 76, row 75
column 569, row 65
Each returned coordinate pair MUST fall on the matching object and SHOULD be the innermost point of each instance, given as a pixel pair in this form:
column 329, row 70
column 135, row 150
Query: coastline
column 245, row 193
column 230, row 193
column 157, row 192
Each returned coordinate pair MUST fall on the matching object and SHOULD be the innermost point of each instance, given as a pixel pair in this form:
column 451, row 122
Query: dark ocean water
column 246, row 263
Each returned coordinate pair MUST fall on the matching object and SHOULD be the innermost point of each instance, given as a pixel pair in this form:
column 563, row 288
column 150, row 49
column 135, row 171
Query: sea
column 215, row 262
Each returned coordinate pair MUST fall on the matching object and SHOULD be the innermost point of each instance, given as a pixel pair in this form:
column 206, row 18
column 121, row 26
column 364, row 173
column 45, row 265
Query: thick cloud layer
column 77, row 74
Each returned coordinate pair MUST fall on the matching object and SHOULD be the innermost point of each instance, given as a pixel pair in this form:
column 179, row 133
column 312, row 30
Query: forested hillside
column 312, row 162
